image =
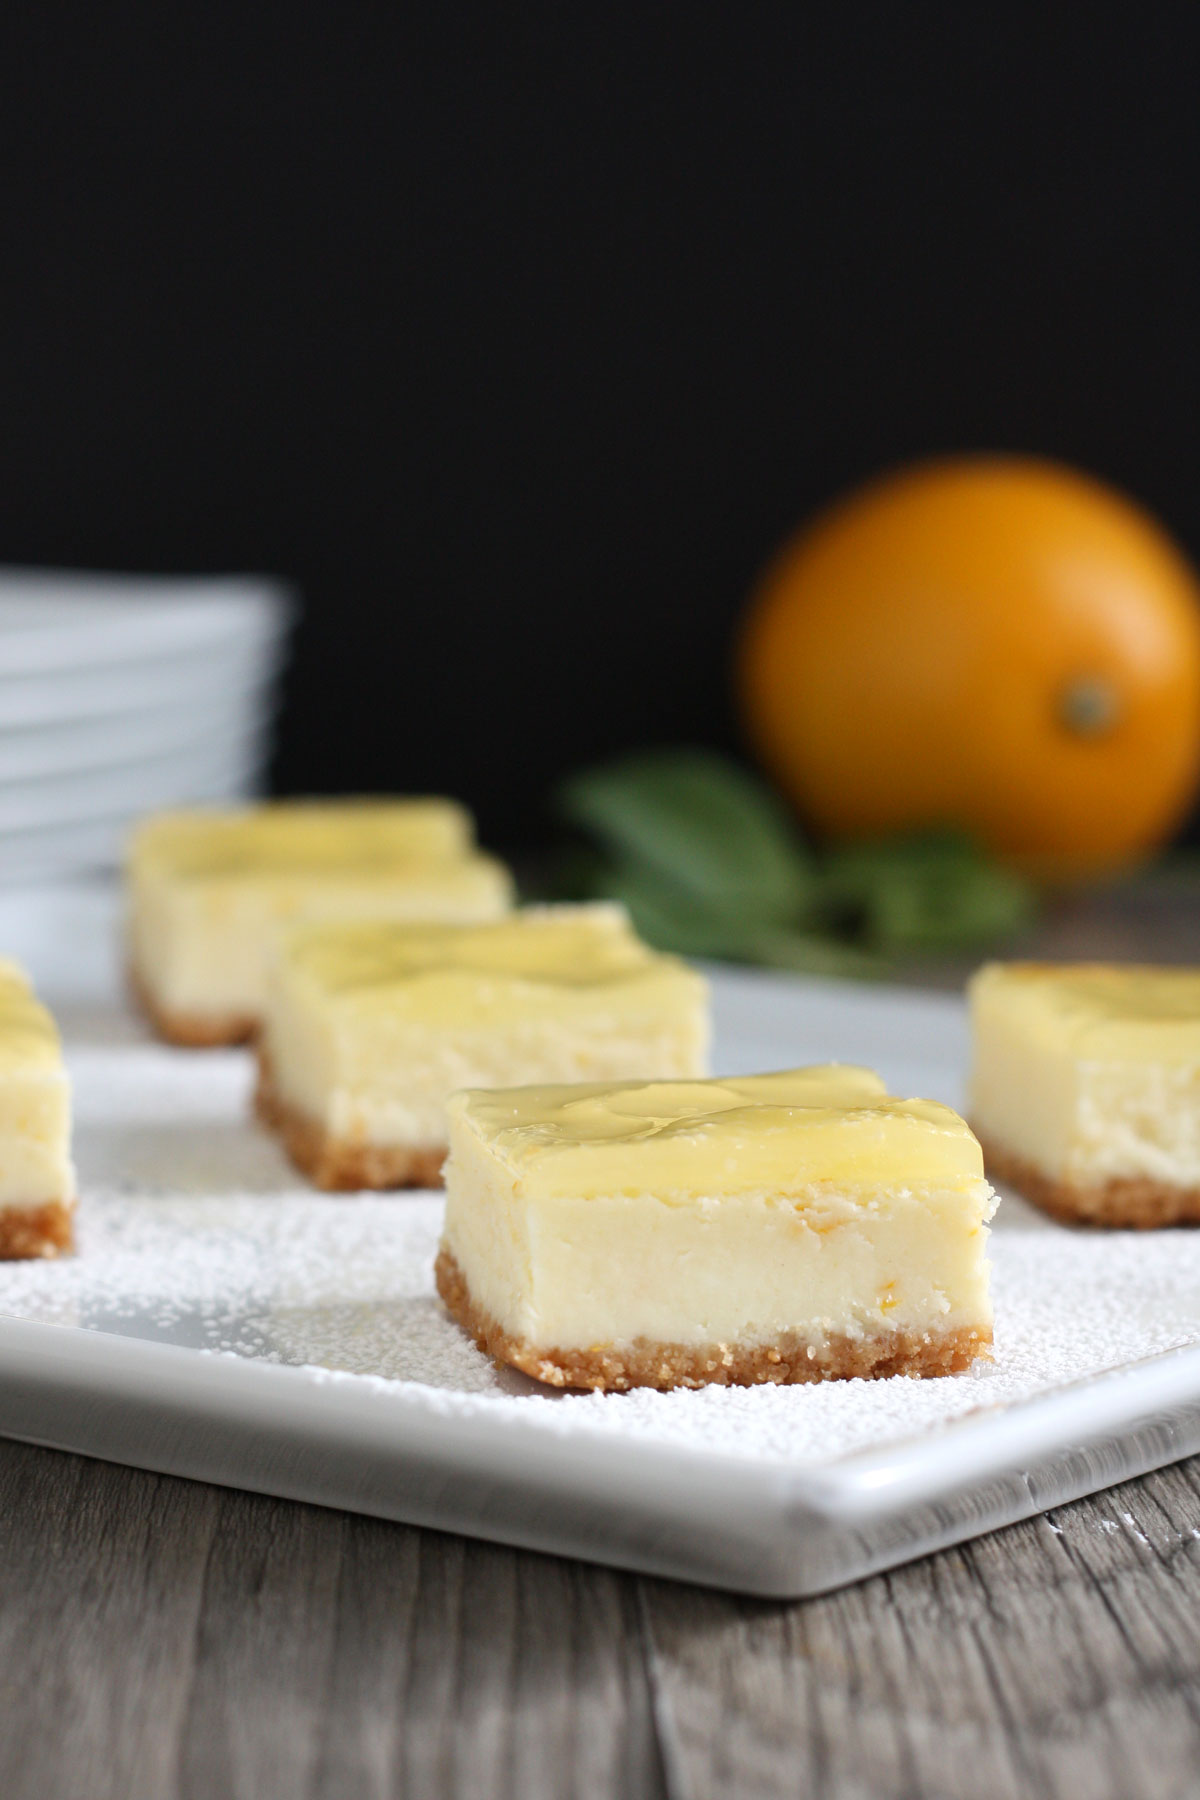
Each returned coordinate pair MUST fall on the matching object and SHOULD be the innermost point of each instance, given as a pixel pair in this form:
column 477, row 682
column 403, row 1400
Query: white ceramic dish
column 182, row 775
column 223, row 1322
column 129, row 740
column 59, row 852
column 128, row 690
column 123, row 694
column 53, row 620
column 64, row 828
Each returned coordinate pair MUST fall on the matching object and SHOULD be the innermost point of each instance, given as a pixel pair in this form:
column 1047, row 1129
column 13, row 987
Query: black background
column 517, row 335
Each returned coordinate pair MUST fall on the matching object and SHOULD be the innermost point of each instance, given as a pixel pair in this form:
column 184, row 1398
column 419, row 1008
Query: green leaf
column 709, row 863
column 935, row 891
column 702, row 822
column 807, row 953
column 671, row 919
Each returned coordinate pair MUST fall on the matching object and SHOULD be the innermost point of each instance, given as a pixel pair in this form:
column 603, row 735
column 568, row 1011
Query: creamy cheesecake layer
column 1089, row 1073
column 37, row 1181
column 210, row 891
column 793, row 1213
column 369, row 1029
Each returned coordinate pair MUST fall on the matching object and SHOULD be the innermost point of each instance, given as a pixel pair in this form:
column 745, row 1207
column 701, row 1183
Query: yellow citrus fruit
column 993, row 643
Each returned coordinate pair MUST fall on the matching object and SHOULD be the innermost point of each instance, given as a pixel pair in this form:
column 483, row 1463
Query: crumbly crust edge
column 336, row 1164
column 45, row 1228
column 644, row 1363
column 191, row 1031
column 1124, row 1202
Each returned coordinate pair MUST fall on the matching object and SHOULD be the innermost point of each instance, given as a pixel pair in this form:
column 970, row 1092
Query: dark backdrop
column 517, row 334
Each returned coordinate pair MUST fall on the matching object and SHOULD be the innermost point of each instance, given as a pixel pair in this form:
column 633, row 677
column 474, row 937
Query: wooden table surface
column 162, row 1638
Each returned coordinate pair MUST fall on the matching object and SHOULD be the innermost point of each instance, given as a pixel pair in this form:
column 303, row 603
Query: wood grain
column 163, row 1640
column 1057, row 1658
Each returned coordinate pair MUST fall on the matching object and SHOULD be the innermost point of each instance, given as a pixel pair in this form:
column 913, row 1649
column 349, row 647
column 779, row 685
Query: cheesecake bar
column 37, row 1181
column 370, row 1028
column 771, row 1228
column 1085, row 1088
column 209, row 891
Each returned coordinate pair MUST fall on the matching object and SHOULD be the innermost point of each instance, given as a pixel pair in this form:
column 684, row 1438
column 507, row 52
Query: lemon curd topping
column 303, row 837
column 542, row 960
column 1132, row 1010
column 782, row 1131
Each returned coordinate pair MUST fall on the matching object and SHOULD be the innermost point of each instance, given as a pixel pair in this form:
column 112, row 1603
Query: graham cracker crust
column 335, row 1164
column 1128, row 1202
column 192, row 1031
column 43, row 1230
column 655, row 1365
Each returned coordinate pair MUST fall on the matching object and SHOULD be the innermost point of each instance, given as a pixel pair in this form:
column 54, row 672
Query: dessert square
column 1085, row 1088
column 789, row 1227
column 209, row 891
column 370, row 1028
column 37, row 1181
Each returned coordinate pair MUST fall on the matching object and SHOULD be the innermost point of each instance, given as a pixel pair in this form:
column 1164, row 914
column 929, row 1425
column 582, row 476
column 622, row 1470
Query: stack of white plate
column 120, row 694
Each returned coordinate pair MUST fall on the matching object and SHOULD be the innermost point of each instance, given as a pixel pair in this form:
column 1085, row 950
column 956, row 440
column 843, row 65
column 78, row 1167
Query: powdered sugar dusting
column 194, row 1231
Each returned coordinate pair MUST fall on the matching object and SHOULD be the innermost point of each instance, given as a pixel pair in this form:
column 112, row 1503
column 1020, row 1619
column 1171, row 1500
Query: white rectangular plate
column 222, row 1321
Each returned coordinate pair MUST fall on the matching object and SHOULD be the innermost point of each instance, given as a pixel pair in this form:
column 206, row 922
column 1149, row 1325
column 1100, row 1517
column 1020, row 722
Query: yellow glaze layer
column 302, row 837
column 537, row 962
column 1131, row 1011
column 782, row 1131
